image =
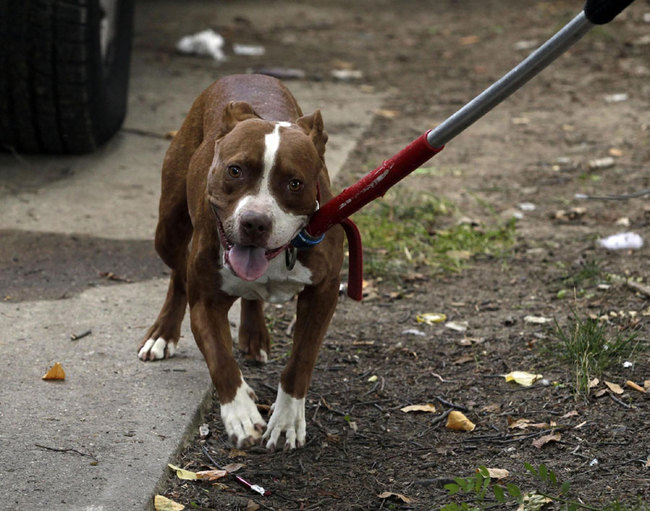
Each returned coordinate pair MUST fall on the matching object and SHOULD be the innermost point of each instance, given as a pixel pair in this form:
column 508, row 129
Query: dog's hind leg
column 254, row 339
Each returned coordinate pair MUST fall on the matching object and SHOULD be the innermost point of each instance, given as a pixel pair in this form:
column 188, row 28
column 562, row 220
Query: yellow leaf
column 594, row 383
column 614, row 387
column 161, row 503
column 523, row 378
column 55, row 372
column 389, row 494
column 182, row 473
column 497, row 473
column 635, row 386
column 419, row 408
column 431, row 318
column 458, row 422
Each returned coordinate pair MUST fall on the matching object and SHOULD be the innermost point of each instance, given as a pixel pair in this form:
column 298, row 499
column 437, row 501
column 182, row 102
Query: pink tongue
column 249, row 263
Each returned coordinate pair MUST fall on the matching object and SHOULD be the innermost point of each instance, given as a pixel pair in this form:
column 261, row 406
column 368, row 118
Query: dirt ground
column 538, row 147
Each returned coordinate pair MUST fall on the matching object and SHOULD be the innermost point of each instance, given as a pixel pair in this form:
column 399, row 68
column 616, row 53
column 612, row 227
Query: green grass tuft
column 589, row 350
column 401, row 233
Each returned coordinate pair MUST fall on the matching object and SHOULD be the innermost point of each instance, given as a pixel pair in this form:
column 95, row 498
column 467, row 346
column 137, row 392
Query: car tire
column 64, row 72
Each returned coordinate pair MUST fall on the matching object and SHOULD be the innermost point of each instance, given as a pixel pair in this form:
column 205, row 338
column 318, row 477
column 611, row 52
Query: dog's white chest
column 277, row 285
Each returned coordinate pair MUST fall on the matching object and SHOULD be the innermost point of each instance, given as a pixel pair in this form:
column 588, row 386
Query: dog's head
column 263, row 184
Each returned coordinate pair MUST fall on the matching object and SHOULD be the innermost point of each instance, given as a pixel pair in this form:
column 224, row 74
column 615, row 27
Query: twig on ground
column 618, row 401
column 75, row 451
column 434, row 423
column 452, row 405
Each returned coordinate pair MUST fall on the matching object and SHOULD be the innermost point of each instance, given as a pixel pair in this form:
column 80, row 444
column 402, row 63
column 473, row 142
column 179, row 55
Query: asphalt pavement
column 101, row 439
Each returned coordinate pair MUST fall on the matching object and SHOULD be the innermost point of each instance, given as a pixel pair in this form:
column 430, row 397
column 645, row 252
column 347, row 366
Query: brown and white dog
column 239, row 181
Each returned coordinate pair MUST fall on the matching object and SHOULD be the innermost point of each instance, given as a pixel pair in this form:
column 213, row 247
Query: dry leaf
column 497, row 473
column 594, row 383
column 252, row 506
column 470, row 39
column 55, row 372
column 389, row 494
column 614, row 387
column 181, row 473
column 523, row 378
column 388, row 114
column 463, row 360
column 635, row 386
column 233, row 467
column 517, row 423
column 494, row 407
column 600, row 393
column 458, row 422
column 419, row 408
column 431, row 318
column 543, row 440
column 210, row 475
column 525, row 423
column 572, row 413
column 236, row 453
column 161, row 503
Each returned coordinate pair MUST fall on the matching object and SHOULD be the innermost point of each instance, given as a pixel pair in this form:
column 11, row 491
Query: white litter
column 537, row 320
column 525, row 45
column 413, row 331
column 527, row 206
column 622, row 241
column 602, row 163
column 457, row 326
column 627, row 364
column 248, row 50
column 206, row 43
column 346, row 75
column 617, row 98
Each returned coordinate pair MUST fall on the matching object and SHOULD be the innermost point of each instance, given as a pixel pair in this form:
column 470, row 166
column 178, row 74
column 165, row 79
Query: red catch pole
column 372, row 185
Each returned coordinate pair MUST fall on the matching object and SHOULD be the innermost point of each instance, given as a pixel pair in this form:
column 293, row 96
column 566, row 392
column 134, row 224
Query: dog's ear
column 235, row 111
column 313, row 126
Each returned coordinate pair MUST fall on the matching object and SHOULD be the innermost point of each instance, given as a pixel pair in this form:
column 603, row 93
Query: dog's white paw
column 243, row 422
column 157, row 349
column 288, row 417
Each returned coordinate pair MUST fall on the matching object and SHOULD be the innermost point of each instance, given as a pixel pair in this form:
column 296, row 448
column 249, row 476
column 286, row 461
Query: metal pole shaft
column 510, row 82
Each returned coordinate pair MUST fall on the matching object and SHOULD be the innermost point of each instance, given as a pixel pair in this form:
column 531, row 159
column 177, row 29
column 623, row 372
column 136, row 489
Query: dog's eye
column 295, row 185
column 234, row 171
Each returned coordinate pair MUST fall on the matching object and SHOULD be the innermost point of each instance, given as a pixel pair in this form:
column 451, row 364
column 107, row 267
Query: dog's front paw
column 243, row 422
column 156, row 349
column 288, row 417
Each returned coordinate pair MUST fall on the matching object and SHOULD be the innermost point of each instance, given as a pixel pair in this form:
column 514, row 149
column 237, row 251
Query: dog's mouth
column 248, row 262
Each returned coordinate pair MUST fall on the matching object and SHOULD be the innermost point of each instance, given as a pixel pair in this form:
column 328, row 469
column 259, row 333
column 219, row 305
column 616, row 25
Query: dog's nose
column 255, row 227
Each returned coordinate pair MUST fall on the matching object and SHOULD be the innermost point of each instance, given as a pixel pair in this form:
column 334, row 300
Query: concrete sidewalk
column 101, row 438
